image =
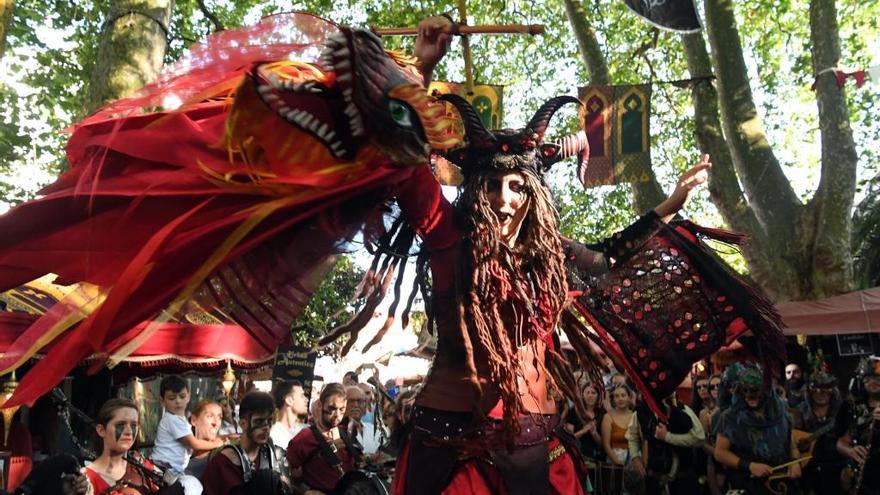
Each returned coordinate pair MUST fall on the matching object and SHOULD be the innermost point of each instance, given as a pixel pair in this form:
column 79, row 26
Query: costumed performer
column 501, row 279
column 119, row 470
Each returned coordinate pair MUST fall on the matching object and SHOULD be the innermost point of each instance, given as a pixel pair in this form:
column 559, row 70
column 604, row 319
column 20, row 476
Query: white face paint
column 509, row 200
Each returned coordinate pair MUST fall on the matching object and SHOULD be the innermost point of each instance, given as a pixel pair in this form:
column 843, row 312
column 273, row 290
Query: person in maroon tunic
column 118, row 470
column 254, row 465
column 322, row 453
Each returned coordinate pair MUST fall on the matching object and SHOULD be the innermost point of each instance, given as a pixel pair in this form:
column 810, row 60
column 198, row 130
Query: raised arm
column 432, row 43
column 596, row 259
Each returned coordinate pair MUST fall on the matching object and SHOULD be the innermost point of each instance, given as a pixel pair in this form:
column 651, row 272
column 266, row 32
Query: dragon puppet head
column 359, row 94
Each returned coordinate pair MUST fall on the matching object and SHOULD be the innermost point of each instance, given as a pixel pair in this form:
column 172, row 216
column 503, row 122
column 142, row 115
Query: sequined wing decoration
column 671, row 304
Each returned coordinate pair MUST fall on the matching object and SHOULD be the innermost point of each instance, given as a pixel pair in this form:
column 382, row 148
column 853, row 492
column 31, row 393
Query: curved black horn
column 542, row 117
column 474, row 129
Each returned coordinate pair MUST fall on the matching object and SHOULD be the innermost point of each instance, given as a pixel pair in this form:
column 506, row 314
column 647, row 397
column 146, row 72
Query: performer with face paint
column 254, row 465
column 499, row 279
column 754, row 436
column 118, row 470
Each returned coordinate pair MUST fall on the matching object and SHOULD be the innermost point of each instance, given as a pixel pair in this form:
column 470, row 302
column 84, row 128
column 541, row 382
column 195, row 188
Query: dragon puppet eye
column 400, row 113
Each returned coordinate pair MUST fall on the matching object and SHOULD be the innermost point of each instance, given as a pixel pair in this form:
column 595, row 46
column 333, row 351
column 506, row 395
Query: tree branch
column 590, row 49
column 724, row 188
column 646, row 195
column 769, row 191
column 6, row 9
column 218, row 26
column 833, row 201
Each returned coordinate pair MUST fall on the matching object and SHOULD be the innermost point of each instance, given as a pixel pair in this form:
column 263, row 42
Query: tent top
column 855, row 312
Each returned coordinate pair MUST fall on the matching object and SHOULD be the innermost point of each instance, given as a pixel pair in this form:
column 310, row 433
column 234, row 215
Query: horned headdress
column 512, row 149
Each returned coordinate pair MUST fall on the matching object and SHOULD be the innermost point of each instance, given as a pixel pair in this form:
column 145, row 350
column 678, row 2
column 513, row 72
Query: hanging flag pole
column 460, row 30
column 463, row 30
column 466, row 49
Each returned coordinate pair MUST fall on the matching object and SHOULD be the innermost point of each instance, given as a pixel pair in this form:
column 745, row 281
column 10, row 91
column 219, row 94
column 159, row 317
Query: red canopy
column 855, row 312
column 201, row 339
column 173, row 345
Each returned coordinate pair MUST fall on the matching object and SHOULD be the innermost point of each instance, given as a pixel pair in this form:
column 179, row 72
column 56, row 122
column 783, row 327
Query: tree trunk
column 770, row 195
column 132, row 49
column 6, row 9
column 646, row 195
column 724, row 188
column 590, row 49
column 832, row 271
column 769, row 191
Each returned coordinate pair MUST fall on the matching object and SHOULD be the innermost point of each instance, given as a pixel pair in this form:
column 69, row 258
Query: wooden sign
column 295, row 362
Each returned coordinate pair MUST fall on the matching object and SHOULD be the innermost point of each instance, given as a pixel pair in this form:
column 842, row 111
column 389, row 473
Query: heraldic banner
column 617, row 122
column 487, row 100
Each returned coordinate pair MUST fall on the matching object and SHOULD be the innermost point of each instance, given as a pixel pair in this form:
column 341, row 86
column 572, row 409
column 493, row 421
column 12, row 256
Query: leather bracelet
column 454, row 27
column 743, row 463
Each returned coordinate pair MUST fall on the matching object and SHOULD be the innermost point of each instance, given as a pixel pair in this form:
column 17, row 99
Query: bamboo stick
column 463, row 30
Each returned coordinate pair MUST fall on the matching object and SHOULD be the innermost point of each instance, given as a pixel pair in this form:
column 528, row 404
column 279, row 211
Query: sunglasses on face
column 702, row 385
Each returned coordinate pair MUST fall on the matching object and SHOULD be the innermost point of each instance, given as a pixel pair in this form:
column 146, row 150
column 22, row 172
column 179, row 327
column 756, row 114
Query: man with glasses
column 859, row 429
column 254, row 465
column 814, row 422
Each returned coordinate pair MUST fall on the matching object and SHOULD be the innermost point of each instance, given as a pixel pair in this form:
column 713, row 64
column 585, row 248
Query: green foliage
column 42, row 89
column 866, row 238
column 331, row 305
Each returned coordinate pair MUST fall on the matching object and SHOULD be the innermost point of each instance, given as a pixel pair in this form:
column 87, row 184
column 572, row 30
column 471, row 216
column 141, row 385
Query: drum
column 362, row 482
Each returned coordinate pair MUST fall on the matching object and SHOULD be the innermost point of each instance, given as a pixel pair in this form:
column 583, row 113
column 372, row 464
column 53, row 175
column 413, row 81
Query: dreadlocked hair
column 503, row 303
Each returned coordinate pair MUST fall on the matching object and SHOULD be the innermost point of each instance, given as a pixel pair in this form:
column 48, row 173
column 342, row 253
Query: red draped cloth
column 218, row 203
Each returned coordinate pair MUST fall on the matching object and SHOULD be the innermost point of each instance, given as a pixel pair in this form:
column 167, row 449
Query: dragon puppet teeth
column 351, row 110
column 342, row 52
column 343, row 64
column 357, row 127
column 330, row 135
column 336, row 145
column 264, row 89
column 344, row 77
column 322, row 131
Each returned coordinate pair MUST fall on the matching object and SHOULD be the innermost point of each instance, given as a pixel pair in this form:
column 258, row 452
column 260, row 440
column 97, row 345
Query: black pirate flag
column 673, row 15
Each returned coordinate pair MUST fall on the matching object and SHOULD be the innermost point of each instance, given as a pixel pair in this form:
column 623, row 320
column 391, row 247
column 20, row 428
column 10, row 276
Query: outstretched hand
column 432, row 42
column 685, row 189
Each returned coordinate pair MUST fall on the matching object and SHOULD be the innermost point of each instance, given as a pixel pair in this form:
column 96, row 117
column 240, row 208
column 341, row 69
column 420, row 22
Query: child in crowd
column 174, row 438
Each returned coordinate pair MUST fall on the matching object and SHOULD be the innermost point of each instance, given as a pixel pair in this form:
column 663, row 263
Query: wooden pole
column 459, row 30
column 466, row 49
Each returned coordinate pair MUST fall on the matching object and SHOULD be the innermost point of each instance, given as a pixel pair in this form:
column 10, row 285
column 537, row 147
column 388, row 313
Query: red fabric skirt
column 477, row 477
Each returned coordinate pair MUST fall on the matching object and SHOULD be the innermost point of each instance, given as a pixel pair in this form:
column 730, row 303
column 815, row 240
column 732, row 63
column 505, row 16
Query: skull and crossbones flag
column 672, row 15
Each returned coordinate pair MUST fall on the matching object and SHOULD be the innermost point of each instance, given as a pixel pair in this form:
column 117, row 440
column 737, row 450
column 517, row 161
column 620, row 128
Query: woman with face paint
column 116, row 471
